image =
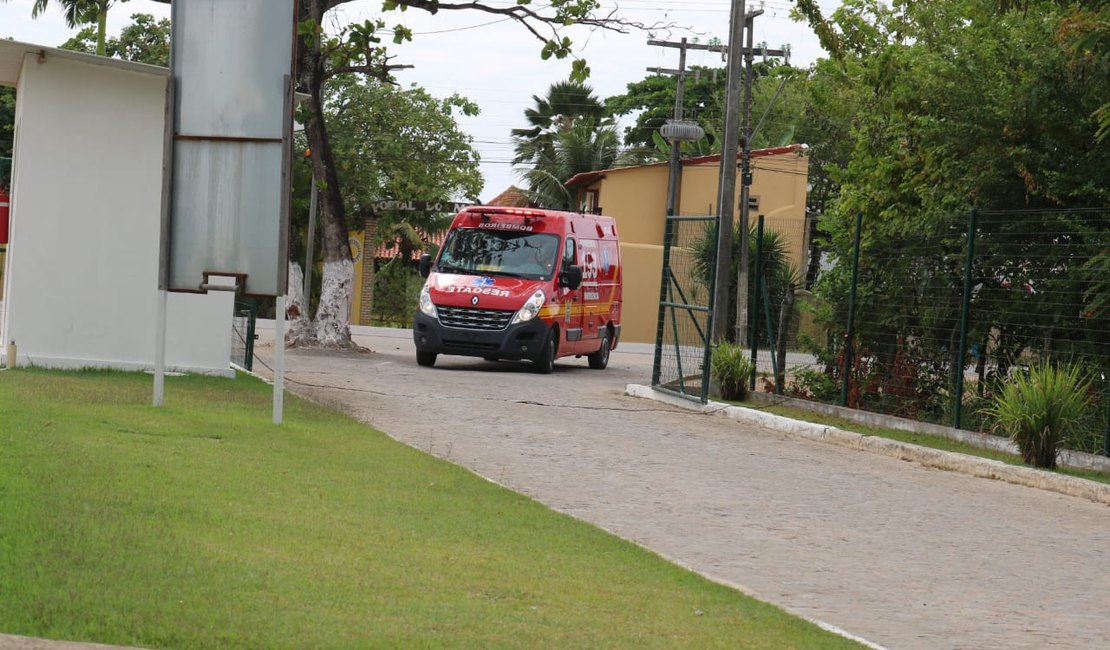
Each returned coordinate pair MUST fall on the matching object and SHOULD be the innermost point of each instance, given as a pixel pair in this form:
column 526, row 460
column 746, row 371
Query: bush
column 731, row 368
column 1041, row 410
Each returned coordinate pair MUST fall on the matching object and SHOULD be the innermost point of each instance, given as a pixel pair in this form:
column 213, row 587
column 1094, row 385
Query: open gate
column 683, row 336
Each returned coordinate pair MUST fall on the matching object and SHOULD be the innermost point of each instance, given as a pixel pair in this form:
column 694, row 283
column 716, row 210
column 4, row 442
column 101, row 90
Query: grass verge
column 922, row 439
column 201, row 525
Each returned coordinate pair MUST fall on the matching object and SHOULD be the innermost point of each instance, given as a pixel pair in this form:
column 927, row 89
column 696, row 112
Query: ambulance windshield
column 473, row 251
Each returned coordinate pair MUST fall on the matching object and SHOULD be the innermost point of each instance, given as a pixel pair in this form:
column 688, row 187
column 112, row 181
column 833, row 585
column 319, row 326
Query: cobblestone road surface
column 900, row 555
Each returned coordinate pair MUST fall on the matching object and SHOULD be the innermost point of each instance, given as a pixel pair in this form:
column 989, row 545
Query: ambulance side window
column 570, row 253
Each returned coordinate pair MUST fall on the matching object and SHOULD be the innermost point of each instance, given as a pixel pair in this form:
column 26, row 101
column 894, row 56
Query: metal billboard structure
column 227, row 186
column 226, row 179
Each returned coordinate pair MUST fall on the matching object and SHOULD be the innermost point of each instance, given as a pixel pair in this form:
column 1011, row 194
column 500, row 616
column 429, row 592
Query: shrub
column 1041, row 410
column 731, row 368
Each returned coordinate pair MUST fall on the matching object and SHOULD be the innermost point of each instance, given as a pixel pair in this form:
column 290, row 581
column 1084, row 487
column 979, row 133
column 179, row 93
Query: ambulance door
column 571, row 302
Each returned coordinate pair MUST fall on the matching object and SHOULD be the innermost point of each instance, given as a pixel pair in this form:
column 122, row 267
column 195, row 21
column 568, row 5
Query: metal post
column 844, row 380
column 726, row 189
column 753, row 331
column 279, row 359
column 160, row 350
column 958, row 393
column 1106, row 433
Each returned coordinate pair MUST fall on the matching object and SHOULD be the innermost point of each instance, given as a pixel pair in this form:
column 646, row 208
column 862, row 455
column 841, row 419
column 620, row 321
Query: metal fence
column 930, row 326
column 682, row 340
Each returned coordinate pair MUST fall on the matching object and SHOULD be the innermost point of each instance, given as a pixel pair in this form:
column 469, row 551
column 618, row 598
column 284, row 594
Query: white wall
column 81, row 288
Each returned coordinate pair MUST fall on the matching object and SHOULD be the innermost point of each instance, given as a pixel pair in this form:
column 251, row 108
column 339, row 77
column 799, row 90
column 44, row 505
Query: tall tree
column 585, row 146
column 926, row 145
column 395, row 143
column 145, row 40
column 81, row 12
column 358, row 49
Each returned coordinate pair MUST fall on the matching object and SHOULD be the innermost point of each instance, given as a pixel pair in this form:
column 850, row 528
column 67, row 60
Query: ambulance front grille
column 475, row 319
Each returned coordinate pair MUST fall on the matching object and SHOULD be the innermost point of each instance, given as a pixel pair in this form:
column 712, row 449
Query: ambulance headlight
column 530, row 308
column 426, row 306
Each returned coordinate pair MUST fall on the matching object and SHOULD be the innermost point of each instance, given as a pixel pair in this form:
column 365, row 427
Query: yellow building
column 637, row 198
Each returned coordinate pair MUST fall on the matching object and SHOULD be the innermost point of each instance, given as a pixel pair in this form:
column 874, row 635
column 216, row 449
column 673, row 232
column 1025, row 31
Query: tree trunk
column 101, row 28
column 333, row 312
column 296, row 309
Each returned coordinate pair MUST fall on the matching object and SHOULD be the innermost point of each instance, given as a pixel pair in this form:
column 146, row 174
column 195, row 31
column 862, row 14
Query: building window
column 589, row 203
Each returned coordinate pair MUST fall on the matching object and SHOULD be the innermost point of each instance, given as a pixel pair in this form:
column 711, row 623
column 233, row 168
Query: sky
column 496, row 62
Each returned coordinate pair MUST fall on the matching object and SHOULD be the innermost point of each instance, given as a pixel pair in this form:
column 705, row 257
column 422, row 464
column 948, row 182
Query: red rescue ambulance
column 513, row 283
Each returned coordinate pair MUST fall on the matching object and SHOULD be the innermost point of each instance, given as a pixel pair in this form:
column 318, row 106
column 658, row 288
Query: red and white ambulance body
column 515, row 283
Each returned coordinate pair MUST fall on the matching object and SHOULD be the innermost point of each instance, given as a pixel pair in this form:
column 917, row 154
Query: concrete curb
column 947, row 460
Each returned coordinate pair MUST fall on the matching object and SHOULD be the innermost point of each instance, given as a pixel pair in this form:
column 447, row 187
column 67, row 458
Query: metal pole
column 279, row 359
column 311, row 240
column 742, row 298
column 753, row 331
column 1106, row 434
column 674, row 177
column 851, row 314
column 160, row 350
column 958, row 393
column 726, row 188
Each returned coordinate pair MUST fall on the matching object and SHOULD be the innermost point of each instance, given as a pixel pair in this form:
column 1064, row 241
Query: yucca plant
column 1041, row 410
column 731, row 368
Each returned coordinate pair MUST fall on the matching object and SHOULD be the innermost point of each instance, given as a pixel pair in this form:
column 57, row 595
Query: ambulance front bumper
column 519, row 341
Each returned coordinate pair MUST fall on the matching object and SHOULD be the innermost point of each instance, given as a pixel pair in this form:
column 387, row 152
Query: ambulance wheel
column 426, row 359
column 598, row 360
column 545, row 363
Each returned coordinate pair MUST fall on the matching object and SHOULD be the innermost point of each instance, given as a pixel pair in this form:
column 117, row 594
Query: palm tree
column 80, row 12
column 567, row 103
column 585, row 146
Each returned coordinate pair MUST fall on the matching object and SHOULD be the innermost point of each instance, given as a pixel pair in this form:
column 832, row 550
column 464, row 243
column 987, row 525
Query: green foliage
column 582, row 148
column 1040, row 411
column 731, row 367
column 912, row 146
column 396, row 291
column 570, row 131
column 145, row 40
column 776, row 269
column 7, row 126
column 778, row 92
column 810, row 383
column 398, row 143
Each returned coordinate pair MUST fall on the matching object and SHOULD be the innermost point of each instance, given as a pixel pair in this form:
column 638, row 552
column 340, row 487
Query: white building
column 81, row 284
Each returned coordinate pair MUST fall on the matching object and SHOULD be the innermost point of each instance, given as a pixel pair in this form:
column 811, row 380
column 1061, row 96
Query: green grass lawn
column 922, row 439
column 202, row 525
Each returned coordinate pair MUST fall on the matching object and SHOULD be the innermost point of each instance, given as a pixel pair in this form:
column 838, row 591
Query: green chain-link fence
column 930, row 326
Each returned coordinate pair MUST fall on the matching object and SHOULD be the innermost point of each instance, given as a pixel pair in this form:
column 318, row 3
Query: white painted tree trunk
column 333, row 312
column 299, row 330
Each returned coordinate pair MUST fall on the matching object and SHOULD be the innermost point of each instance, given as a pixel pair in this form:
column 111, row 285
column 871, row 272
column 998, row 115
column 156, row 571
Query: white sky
column 495, row 62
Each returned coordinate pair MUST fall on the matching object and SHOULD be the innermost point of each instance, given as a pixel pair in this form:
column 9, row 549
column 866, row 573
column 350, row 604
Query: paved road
column 897, row 554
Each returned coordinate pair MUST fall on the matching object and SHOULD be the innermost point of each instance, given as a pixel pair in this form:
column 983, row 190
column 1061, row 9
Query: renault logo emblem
column 474, row 300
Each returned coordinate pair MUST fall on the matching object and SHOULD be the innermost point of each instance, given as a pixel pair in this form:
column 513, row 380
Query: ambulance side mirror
column 571, row 277
column 425, row 265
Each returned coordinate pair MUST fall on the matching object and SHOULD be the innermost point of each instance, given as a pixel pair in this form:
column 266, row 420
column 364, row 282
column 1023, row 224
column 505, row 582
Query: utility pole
column 745, row 190
column 726, row 187
column 679, row 130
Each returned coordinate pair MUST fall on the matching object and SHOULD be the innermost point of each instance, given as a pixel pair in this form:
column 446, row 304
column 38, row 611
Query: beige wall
column 642, row 265
column 637, row 198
